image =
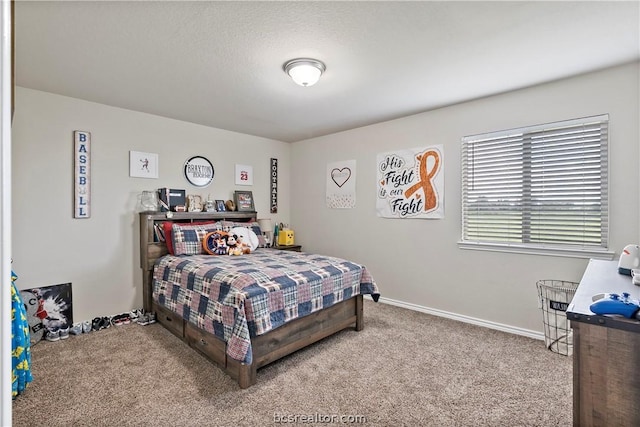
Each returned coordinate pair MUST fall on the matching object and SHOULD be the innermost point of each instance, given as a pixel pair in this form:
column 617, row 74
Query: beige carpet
column 404, row 369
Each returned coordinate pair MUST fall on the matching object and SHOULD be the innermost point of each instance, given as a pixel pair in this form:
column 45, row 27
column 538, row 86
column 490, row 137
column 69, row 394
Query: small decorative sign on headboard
column 82, row 175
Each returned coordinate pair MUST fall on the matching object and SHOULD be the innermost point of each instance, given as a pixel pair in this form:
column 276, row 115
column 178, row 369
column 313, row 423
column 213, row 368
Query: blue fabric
column 20, row 343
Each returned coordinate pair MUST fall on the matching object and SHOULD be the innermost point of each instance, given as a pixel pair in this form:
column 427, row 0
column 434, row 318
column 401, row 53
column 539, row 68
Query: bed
column 244, row 312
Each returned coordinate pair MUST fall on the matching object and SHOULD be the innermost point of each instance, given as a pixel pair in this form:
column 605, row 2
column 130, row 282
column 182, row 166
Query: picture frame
column 244, row 201
column 244, row 175
column 143, row 165
column 220, row 206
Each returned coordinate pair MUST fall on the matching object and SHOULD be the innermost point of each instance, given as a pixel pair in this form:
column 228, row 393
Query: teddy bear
column 246, row 248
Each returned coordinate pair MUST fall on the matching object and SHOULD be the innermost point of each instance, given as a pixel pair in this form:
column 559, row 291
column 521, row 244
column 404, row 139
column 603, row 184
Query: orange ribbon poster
column 411, row 183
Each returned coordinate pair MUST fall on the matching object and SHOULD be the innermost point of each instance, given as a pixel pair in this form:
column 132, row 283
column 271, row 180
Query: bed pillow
column 247, row 237
column 215, row 243
column 252, row 225
column 168, row 237
column 168, row 231
column 187, row 238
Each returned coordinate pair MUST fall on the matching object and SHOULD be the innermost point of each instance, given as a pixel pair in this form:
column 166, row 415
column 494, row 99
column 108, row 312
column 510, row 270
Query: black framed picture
column 220, row 207
column 244, row 201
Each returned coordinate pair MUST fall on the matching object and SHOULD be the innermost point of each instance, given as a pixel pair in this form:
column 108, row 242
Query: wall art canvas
column 341, row 184
column 54, row 305
column 143, row 165
column 411, row 183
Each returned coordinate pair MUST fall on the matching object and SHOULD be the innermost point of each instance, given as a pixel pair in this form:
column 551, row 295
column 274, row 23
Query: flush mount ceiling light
column 304, row 71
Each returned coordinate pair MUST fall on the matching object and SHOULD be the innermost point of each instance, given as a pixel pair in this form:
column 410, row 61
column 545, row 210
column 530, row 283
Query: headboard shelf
column 151, row 249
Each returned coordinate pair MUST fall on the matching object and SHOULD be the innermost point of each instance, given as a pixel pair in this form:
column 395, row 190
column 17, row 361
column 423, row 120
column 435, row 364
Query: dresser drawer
column 209, row 345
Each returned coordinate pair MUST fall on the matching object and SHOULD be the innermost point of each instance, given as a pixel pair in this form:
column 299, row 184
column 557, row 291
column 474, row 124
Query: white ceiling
column 219, row 64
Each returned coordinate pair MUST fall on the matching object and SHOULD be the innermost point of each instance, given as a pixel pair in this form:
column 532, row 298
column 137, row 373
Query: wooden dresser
column 606, row 383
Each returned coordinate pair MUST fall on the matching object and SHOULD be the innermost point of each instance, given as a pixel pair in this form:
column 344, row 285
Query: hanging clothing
column 20, row 343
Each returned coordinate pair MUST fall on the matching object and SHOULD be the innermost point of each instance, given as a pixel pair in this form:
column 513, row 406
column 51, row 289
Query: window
column 540, row 189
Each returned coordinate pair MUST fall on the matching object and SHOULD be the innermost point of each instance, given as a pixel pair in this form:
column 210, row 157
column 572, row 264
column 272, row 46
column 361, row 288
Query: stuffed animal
column 234, row 245
column 221, row 244
column 247, row 239
column 246, row 248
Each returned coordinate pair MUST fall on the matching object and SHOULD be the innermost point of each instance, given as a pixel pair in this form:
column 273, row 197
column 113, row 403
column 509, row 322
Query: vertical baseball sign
column 82, row 175
column 273, row 185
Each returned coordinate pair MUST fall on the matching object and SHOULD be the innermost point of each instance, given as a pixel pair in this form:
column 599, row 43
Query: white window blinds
column 541, row 186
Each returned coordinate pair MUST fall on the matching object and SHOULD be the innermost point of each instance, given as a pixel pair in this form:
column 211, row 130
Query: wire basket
column 554, row 298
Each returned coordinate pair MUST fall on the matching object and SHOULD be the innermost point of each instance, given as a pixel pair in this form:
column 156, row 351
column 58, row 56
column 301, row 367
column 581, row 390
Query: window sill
column 539, row 250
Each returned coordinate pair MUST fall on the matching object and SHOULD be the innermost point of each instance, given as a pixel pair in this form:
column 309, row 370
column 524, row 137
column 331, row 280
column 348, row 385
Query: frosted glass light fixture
column 304, row 71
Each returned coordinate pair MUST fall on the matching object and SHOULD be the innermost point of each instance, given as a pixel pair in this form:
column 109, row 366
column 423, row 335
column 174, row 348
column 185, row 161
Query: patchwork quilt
column 238, row 297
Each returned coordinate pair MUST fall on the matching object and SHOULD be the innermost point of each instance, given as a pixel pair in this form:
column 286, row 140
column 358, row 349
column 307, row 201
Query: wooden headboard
column 151, row 248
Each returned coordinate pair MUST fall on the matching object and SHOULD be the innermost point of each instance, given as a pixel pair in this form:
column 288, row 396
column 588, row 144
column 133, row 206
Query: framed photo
column 244, row 175
column 143, row 165
column 244, row 201
column 220, row 207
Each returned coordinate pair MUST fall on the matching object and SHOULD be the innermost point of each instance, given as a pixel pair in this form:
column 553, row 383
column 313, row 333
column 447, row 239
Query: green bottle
column 275, row 235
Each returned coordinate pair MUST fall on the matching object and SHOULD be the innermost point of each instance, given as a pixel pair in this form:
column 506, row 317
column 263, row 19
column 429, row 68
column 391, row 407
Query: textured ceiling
column 219, row 64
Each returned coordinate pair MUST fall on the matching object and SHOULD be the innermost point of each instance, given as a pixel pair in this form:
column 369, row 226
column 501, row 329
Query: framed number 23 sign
column 244, row 175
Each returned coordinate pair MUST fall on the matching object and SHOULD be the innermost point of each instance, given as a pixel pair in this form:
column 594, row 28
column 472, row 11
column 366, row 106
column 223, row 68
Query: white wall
column 413, row 261
column 100, row 255
column 418, row 261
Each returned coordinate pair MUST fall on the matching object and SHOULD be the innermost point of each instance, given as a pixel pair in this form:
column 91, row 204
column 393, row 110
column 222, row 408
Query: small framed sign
column 143, row 165
column 198, row 171
column 244, row 201
column 244, row 175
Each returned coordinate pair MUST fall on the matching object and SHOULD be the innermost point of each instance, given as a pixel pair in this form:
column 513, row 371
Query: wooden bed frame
column 268, row 347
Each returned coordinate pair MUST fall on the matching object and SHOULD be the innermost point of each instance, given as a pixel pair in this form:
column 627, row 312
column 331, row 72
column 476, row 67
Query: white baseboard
column 467, row 319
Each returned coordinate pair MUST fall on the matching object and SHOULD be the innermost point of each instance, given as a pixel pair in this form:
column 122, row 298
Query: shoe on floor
column 105, row 323
column 121, row 319
column 143, row 319
column 117, row 320
column 125, row 318
column 64, row 333
column 76, row 329
column 52, row 335
column 95, row 324
column 135, row 314
column 147, row 319
column 86, row 326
